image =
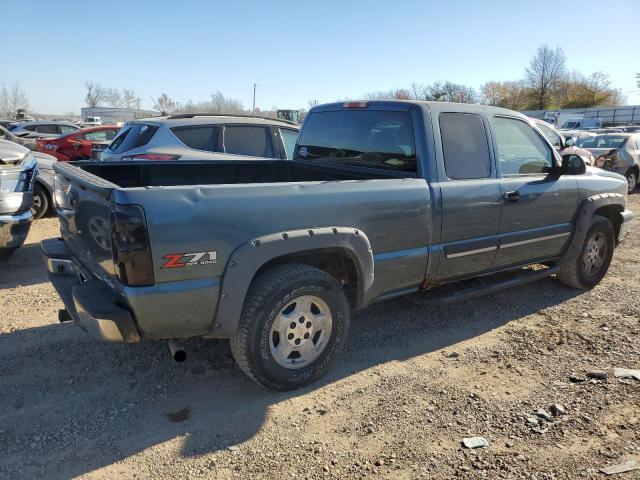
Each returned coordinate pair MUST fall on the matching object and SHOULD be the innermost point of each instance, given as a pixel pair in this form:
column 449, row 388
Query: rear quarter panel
column 393, row 213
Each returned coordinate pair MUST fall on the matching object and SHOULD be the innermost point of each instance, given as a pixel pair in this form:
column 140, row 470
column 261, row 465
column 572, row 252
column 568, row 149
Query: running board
column 484, row 285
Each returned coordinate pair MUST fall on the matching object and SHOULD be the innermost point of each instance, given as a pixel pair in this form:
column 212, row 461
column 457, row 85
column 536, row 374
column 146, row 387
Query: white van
column 582, row 123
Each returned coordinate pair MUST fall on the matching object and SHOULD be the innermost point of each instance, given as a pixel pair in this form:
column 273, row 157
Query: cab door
column 538, row 204
column 470, row 191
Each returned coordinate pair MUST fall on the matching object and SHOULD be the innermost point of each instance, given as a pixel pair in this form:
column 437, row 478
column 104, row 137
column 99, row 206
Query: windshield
column 602, row 141
column 370, row 138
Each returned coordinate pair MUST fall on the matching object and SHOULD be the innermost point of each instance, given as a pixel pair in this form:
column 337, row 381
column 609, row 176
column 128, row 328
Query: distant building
column 116, row 114
column 610, row 116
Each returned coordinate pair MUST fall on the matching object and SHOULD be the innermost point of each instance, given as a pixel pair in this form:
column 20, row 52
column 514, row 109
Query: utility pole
column 254, row 99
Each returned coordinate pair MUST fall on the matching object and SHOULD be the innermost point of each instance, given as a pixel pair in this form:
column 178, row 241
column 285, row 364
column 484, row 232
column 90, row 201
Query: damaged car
column 18, row 170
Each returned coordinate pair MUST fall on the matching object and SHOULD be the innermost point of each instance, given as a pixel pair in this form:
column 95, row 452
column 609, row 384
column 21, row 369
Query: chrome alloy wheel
column 300, row 332
column 595, row 254
column 632, row 180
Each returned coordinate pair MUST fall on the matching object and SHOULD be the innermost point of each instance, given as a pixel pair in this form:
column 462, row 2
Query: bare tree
column 511, row 94
column 95, row 94
column 220, row 104
column 450, row 92
column 128, row 98
column 12, row 98
column 113, row 97
column 164, row 103
column 544, row 74
column 418, row 91
column 313, row 103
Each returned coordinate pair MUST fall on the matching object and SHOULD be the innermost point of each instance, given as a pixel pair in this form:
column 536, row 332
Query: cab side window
column 521, row 150
column 553, row 137
column 464, row 146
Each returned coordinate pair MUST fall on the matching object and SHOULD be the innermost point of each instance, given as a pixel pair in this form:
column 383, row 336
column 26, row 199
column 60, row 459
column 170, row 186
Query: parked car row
column 616, row 149
column 77, row 145
column 616, row 152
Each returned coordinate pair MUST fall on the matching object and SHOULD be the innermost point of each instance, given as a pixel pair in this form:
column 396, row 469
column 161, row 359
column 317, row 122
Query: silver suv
column 203, row 137
column 42, row 129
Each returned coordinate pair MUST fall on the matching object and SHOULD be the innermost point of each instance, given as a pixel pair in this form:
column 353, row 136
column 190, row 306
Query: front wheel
column 40, row 203
column 294, row 323
column 591, row 265
column 632, row 180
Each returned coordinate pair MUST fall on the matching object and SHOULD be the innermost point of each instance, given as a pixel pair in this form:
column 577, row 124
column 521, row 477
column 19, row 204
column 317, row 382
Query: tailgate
column 84, row 206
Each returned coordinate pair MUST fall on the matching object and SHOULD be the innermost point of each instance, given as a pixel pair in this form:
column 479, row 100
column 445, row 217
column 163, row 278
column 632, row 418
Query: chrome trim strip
column 16, row 217
column 533, row 240
column 471, row 252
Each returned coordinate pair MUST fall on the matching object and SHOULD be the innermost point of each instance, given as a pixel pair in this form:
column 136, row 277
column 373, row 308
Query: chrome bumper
column 626, row 216
column 14, row 229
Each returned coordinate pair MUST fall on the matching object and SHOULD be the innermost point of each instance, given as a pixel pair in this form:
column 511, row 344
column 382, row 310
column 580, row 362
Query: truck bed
column 176, row 173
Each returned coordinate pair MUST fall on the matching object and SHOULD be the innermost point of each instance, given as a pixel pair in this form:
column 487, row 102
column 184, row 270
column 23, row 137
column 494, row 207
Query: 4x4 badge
column 179, row 260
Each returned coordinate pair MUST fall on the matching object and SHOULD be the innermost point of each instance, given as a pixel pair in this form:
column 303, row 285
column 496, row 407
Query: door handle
column 512, row 196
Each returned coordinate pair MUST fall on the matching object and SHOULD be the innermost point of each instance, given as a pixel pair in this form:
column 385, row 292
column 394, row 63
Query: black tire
column 632, row 179
column 40, row 202
column 575, row 272
column 268, row 296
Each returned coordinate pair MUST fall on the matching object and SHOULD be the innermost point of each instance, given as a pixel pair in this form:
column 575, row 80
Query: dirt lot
column 413, row 381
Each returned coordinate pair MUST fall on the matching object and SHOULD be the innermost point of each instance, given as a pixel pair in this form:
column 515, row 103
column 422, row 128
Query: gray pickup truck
column 18, row 170
column 381, row 199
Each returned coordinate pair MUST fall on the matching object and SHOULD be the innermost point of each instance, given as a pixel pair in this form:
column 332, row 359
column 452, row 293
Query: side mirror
column 77, row 146
column 572, row 165
column 569, row 142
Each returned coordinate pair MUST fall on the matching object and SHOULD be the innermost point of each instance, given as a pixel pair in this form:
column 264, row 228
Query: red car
column 77, row 145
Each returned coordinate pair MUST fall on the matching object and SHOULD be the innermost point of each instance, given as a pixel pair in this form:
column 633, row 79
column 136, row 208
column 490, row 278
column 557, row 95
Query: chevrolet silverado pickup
column 18, row 171
column 381, row 199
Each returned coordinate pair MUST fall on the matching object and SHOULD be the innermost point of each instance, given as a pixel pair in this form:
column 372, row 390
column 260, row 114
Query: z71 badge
column 179, row 260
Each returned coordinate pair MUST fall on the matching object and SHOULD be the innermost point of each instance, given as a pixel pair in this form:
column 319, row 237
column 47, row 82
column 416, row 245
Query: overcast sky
column 300, row 50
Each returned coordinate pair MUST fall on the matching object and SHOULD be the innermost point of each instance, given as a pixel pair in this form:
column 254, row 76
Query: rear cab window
column 135, row 136
column 464, row 146
column 381, row 139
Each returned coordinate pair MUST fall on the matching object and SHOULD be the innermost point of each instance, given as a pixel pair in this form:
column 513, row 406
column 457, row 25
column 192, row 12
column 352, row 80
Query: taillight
column 151, row 156
column 355, row 105
column 130, row 246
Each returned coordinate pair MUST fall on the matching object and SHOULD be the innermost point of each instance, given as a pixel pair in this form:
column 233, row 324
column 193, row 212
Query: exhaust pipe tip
column 64, row 315
column 178, row 353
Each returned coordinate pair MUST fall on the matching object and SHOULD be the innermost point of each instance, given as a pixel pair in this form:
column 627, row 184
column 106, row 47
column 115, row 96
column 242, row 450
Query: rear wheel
column 294, row 323
column 591, row 265
column 632, row 180
column 40, row 203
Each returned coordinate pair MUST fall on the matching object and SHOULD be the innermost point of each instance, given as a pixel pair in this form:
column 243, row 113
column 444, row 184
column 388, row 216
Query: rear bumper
column 626, row 216
column 125, row 314
column 90, row 303
column 14, row 229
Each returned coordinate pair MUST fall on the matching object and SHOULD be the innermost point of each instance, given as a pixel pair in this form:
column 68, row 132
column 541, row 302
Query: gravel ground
column 413, row 381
